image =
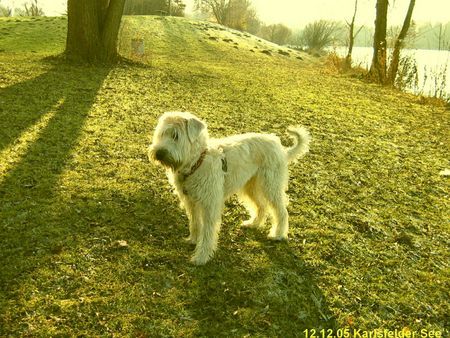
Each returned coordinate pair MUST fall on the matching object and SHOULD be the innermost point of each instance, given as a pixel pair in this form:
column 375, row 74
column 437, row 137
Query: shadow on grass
column 269, row 290
column 30, row 223
column 265, row 289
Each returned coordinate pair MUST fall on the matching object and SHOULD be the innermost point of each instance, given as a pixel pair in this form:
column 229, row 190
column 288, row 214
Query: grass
column 33, row 34
column 91, row 236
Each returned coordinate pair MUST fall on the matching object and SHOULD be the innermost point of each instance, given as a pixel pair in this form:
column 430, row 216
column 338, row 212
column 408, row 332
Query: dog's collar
column 196, row 165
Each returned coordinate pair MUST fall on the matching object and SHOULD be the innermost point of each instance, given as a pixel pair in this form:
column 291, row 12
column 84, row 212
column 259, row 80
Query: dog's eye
column 175, row 136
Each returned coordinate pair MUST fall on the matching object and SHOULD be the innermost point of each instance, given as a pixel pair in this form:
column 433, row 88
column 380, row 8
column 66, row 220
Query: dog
column 205, row 172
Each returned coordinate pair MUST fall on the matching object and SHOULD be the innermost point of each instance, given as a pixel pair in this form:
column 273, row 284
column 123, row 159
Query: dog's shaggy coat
column 205, row 172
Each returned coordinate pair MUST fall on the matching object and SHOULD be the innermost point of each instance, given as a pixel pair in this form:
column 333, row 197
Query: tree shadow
column 24, row 103
column 64, row 94
column 231, row 295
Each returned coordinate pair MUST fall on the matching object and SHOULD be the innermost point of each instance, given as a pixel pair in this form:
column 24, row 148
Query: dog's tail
column 301, row 143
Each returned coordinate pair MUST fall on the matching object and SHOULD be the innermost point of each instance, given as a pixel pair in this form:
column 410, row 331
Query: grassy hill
column 91, row 236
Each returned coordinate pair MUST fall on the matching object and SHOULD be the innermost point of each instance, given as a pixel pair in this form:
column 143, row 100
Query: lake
column 433, row 68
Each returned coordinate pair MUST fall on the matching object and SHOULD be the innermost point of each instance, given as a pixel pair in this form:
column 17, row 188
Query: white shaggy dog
column 205, row 172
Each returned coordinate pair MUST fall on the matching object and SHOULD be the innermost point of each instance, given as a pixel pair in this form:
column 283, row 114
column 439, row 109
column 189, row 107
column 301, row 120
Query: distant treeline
column 154, row 7
column 424, row 36
column 241, row 15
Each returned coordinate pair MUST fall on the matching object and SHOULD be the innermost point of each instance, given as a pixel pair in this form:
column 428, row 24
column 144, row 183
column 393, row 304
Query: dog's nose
column 161, row 154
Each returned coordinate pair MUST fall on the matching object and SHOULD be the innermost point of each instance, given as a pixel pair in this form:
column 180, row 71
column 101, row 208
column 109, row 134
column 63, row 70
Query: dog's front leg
column 208, row 234
column 194, row 216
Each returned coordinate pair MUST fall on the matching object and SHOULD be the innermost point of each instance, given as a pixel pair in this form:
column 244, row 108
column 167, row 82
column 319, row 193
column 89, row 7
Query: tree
column 253, row 24
column 399, row 42
column 410, row 39
column 30, row 9
column 237, row 14
column 378, row 67
column 145, row 7
column 441, row 37
column 177, row 8
column 154, row 7
column 277, row 33
column 93, row 26
column 219, row 9
column 5, row 11
column 352, row 36
column 320, row 34
column 33, row 9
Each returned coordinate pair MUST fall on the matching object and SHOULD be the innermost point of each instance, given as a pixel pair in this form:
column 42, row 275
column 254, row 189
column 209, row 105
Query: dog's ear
column 194, row 127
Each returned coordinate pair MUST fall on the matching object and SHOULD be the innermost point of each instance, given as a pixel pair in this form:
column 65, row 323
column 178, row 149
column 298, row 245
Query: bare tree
column 409, row 40
column 399, row 42
column 352, row 36
column 93, row 26
column 5, row 11
column 145, row 7
column 378, row 67
column 253, row 24
column 320, row 34
column 177, row 8
column 33, row 9
column 237, row 14
column 219, row 8
column 154, row 7
column 441, row 36
column 277, row 33
column 29, row 9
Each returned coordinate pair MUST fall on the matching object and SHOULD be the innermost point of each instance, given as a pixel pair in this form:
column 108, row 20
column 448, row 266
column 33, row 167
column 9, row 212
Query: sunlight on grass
column 12, row 154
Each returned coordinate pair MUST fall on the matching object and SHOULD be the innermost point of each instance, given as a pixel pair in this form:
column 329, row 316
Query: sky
column 300, row 12
column 297, row 13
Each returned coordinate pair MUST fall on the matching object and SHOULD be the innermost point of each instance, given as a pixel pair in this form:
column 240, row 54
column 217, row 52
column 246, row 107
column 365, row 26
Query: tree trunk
column 393, row 68
column 440, row 37
column 220, row 9
column 378, row 68
column 93, row 26
column 351, row 37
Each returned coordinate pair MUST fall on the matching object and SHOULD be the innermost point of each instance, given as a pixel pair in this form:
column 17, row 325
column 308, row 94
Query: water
column 433, row 68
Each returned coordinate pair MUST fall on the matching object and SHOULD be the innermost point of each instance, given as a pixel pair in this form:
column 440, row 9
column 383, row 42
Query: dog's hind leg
column 255, row 203
column 280, row 227
column 273, row 188
column 208, row 234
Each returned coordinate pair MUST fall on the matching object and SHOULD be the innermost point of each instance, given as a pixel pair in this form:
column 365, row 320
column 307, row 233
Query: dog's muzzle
column 163, row 156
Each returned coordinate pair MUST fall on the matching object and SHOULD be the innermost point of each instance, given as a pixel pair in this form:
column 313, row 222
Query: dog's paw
column 190, row 240
column 196, row 260
column 278, row 238
column 250, row 224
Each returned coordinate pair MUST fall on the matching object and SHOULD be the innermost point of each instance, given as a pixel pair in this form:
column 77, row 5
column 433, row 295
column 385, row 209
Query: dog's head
column 177, row 138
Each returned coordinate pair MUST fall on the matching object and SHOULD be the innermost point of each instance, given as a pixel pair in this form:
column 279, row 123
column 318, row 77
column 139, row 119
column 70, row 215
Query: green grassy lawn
column 91, row 236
